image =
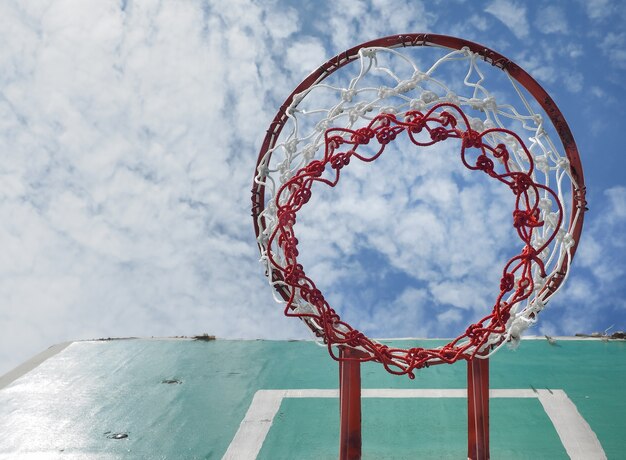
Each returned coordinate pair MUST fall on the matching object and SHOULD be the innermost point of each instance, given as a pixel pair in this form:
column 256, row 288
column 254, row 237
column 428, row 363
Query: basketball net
column 391, row 95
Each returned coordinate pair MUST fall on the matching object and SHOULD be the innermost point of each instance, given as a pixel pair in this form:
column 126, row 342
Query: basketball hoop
column 331, row 121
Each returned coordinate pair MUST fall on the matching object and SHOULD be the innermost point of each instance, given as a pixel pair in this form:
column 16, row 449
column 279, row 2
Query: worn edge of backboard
column 32, row 363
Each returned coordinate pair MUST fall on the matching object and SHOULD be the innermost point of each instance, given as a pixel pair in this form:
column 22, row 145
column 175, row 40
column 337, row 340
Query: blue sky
column 129, row 133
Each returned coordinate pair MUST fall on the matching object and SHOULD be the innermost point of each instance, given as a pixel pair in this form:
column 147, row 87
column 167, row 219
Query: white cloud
column 598, row 92
column 463, row 294
column 573, row 82
column 305, row 56
column 451, row 316
column 128, row 140
column 601, row 251
column 612, row 47
column 613, row 40
column 598, row 9
column 479, row 22
column 617, row 203
column 512, row 15
column 573, row 50
column 349, row 23
column 282, row 23
column 551, row 19
column 132, row 137
column 540, row 69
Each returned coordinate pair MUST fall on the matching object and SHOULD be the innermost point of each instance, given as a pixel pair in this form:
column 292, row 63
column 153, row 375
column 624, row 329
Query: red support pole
column 478, row 409
column 349, row 406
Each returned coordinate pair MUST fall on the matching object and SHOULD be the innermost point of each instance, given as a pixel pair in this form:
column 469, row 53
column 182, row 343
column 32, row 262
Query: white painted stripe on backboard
column 253, row 429
column 579, row 440
column 577, row 437
column 409, row 393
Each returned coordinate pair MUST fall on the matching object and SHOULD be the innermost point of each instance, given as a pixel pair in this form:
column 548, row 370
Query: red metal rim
column 452, row 43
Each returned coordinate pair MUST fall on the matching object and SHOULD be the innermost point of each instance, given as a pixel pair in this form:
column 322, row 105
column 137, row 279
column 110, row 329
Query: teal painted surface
column 399, row 429
column 67, row 406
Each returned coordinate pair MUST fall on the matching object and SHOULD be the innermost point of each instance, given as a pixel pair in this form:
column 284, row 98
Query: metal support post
column 478, row 409
column 349, row 406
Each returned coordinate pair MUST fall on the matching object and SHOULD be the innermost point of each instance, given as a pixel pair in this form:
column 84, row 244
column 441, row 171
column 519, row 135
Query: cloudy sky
column 129, row 131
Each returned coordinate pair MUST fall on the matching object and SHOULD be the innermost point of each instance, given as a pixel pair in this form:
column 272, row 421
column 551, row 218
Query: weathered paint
column 73, row 403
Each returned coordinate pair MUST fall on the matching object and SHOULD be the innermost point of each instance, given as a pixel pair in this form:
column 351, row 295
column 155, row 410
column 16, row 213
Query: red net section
column 341, row 146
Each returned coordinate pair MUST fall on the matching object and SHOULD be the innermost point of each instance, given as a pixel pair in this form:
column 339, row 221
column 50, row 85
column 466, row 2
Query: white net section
column 393, row 81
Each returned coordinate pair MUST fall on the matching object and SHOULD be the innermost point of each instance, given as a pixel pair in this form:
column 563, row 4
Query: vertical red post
column 349, row 406
column 478, row 409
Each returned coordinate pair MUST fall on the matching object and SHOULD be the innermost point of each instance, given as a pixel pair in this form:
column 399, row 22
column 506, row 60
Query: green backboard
column 189, row 399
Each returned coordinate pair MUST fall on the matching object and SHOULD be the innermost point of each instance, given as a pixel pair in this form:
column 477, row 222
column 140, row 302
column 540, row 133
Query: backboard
column 180, row 398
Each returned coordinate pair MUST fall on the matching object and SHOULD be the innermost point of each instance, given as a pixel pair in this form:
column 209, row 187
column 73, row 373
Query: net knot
column 405, row 86
column 484, row 163
column 539, row 304
column 501, row 153
column 368, row 52
column 286, row 217
column 263, row 171
column 521, row 183
column 447, row 119
column 341, row 159
column 291, row 251
column 416, row 121
column 388, row 110
column 439, row 134
column 448, row 354
column 383, row 350
column 358, row 111
column 347, row 95
column 335, row 142
column 315, row 297
column 503, row 316
column 453, row 98
column 527, row 218
column 315, row 168
column 354, row 337
column 363, row 136
column 429, row 96
column 417, row 104
column 301, row 196
column 291, row 146
column 476, row 104
column 322, row 125
column 541, row 162
column 417, row 353
column 471, row 138
column 507, row 282
column 489, row 103
column 529, row 252
column 568, row 240
column 562, row 163
column 385, row 92
column 385, row 135
column 473, row 330
column 293, row 275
